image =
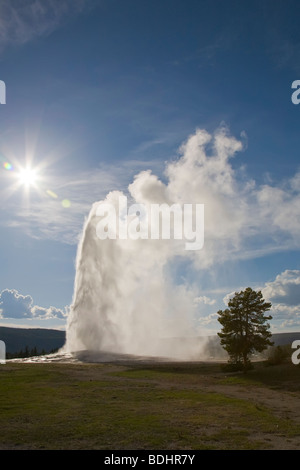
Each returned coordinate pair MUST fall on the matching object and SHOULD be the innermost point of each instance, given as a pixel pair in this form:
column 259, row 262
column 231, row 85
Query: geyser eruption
column 124, row 301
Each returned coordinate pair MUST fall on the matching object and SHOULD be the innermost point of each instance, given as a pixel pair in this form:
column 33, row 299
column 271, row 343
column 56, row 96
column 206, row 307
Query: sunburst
column 27, row 176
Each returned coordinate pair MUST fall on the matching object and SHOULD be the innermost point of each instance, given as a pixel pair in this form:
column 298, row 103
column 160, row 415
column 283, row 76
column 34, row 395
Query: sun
column 27, row 176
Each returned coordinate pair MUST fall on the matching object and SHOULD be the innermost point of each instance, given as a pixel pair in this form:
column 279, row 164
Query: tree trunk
column 245, row 360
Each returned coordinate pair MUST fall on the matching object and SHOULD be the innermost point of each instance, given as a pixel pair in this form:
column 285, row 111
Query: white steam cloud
column 124, row 300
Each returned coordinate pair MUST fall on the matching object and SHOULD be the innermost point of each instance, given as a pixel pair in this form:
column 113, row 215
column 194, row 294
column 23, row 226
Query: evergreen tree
column 244, row 326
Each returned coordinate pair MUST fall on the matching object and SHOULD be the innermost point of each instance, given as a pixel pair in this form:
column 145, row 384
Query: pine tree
column 245, row 328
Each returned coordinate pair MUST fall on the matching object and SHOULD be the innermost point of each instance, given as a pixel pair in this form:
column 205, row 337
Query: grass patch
column 96, row 406
column 284, row 377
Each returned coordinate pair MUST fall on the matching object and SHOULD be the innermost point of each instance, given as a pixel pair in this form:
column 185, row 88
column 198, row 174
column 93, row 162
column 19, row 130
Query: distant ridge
column 281, row 339
column 43, row 339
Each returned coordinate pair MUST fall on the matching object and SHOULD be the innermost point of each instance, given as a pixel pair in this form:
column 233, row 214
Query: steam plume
column 124, row 300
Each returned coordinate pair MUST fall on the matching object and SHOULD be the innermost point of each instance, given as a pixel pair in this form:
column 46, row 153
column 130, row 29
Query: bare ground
column 283, row 404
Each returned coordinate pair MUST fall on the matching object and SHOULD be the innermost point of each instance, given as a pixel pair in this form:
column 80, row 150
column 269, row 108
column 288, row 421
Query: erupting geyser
column 124, row 301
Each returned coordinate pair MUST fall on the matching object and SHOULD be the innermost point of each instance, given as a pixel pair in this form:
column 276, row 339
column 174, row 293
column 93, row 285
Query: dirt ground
column 283, row 404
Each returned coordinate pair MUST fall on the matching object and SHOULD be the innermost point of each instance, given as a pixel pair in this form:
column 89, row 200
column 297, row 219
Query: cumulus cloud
column 285, row 288
column 208, row 320
column 284, row 294
column 15, row 305
column 286, row 315
column 204, row 299
column 19, row 306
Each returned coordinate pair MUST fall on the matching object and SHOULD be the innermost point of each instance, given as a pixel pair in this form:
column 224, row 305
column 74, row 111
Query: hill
column 280, row 339
column 43, row 339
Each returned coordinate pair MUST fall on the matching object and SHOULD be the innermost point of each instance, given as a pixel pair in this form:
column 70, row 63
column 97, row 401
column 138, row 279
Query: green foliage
column 244, row 327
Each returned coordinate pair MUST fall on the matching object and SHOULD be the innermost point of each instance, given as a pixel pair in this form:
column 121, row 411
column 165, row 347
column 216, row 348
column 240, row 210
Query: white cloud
column 15, row 305
column 51, row 312
column 285, row 289
column 204, row 299
column 279, row 209
column 209, row 320
column 18, row 306
column 284, row 294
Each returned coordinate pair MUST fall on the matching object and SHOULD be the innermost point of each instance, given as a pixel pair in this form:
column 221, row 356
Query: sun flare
column 27, row 176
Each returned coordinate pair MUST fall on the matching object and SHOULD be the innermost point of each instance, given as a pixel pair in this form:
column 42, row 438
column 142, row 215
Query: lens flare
column 8, row 166
column 52, row 194
column 66, row 203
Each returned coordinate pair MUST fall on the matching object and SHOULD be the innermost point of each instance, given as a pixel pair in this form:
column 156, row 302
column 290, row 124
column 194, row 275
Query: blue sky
column 97, row 91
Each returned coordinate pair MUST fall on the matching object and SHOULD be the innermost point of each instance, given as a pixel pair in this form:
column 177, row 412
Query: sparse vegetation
column 279, row 354
column 26, row 340
column 26, row 352
column 157, row 406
